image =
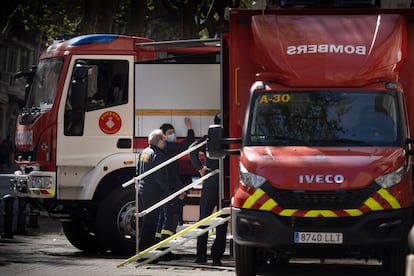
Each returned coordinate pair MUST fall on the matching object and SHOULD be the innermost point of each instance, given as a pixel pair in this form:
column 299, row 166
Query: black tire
column 395, row 258
column 81, row 238
column 244, row 259
column 115, row 222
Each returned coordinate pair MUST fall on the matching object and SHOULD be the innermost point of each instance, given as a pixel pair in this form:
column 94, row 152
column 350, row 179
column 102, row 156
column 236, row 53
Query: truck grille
column 322, row 200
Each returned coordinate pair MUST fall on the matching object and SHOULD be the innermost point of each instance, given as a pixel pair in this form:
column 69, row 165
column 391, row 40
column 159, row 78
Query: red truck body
column 316, row 175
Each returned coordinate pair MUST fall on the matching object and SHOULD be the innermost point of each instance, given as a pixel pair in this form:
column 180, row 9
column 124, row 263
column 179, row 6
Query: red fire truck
column 93, row 101
column 322, row 100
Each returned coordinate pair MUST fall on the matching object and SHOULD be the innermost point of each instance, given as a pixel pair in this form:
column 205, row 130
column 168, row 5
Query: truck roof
column 122, row 44
column 328, row 50
column 97, row 44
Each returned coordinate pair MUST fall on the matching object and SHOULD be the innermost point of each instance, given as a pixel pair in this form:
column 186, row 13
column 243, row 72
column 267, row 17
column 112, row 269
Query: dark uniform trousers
column 210, row 199
column 148, row 224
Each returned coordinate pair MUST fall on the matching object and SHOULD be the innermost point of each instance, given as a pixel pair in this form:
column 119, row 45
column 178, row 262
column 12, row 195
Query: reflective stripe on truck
column 381, row 200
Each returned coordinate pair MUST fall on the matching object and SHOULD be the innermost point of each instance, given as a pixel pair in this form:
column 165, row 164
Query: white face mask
column 171, row 137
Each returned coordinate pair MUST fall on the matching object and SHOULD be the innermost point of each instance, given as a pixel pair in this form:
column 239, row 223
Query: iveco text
column 320, row 178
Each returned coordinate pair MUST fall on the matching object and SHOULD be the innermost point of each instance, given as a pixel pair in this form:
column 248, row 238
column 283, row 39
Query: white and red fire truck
column 92, row 103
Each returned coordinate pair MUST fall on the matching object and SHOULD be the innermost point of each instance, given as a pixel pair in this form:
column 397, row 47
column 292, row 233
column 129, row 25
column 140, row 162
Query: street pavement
column 44, row 250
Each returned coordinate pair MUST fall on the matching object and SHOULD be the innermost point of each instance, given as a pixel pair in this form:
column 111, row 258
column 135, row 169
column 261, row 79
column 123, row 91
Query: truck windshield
column 324, row 118
column 45, row 81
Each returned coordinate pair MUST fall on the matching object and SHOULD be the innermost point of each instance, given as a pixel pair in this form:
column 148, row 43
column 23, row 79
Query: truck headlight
column 391, row 179
column 250, row 179
column 43, row 182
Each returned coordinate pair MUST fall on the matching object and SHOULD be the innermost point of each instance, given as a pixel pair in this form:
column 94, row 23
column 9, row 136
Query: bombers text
column 326, row 48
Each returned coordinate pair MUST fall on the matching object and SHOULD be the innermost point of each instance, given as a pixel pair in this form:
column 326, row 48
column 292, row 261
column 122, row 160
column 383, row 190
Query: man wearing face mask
column 171, row 212
column 152, row 187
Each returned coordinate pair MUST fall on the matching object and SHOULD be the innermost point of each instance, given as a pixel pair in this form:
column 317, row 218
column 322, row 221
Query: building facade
column 15, row 56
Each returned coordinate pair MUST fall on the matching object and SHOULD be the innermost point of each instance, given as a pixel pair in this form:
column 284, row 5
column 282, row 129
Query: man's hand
column 203, row 170
column 188, row 123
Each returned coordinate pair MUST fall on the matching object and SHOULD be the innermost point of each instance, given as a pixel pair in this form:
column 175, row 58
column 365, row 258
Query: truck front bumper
column 36, row 184
column 265, row 229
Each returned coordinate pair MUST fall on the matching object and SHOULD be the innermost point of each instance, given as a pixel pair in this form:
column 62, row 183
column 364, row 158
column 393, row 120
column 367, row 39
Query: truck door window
column 107, row 83
column 103, row 84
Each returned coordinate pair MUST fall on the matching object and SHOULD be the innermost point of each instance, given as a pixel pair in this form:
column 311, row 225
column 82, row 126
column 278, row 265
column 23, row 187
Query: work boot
column 201, row 260
column 217, row 262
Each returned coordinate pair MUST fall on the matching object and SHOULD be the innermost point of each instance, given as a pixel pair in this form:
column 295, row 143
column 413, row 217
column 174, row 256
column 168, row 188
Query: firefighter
column 152, row 187
column 208, row 201
column 171, row 212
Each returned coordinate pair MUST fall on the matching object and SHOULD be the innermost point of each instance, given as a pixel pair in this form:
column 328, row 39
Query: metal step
column 193, row 231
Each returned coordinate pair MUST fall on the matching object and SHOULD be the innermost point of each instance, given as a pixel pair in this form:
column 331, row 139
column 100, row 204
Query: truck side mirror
column 29, row 79
column 214, row 146
column 79, row 87
column 410, row 141
column 76, row 103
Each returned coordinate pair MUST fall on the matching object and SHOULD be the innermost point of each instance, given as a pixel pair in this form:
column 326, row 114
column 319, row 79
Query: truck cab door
column 95, row 116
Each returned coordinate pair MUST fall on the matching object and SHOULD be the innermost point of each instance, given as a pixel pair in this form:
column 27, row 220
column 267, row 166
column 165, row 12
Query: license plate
column 318, row 237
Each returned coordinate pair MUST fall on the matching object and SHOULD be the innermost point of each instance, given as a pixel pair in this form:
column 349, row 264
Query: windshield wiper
column 289, row 140
column 298, row 142
column 351, row 142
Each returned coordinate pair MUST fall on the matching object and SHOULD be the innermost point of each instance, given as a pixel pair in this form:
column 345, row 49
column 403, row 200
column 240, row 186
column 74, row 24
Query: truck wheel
column 395, row 260
column 116, row 221
column 81, row 238
column 245, row 260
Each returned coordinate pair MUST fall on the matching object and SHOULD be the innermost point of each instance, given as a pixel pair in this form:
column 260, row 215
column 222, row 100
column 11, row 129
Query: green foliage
column 163, row 19
column 50, row 17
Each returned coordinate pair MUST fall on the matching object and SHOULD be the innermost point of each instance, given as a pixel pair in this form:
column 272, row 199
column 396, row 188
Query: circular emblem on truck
column 110, row 122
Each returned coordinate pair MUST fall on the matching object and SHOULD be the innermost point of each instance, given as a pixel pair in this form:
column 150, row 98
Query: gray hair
column 155, row 136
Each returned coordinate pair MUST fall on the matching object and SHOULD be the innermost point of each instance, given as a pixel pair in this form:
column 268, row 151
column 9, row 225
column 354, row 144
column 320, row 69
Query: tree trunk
column 136, row 17
column 188, row 25
column 98, row 16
